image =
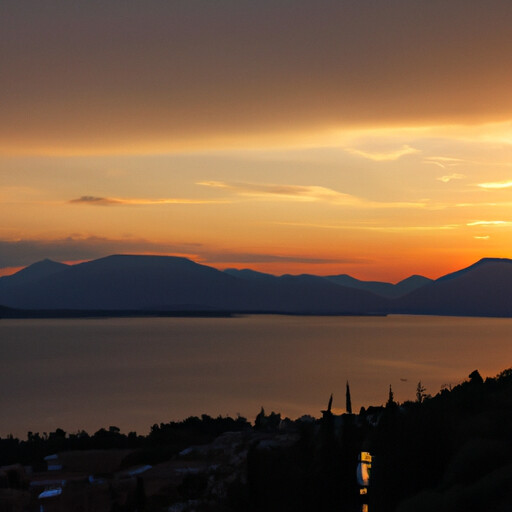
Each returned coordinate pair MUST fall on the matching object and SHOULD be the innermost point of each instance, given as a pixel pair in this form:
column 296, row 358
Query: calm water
column 132, row 373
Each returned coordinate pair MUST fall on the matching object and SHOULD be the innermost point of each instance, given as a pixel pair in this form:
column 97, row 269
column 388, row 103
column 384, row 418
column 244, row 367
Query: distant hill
column 171, row 284
column 482, row 289
column 125, row 282
column 4, row 311
column 481, row 263
column 382, row 288
column 312, row 294
column 377, row 287
column 248, row 274
column 33, row 273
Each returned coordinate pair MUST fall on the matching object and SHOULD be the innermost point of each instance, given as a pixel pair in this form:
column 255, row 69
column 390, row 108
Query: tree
column 260, row 419
column 391, row 398
column 348, row 405
column 420, row 393
column 475, row 377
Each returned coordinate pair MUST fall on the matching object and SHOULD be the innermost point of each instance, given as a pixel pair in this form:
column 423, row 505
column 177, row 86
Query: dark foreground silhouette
column 450, row 452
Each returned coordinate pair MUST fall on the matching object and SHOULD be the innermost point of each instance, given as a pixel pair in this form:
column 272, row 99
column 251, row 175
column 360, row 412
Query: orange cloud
column 358, row 227
column 115, row 201
column 291, row 192
column 310, row 193
column 489, row 223
column 496, row 185
column 384, row 156
column 450, row 177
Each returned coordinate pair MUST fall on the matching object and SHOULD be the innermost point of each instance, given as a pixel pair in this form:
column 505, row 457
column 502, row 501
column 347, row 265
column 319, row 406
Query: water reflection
column 132, row 373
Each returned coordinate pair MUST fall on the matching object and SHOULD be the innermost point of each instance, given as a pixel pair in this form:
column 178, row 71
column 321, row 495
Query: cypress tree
column 348, row 405
column 391, row 398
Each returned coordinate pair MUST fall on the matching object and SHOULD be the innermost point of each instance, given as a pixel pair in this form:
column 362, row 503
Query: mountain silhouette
column 474, row 266
column 248, row 274
column 482, row 289
column 377, row 287
column 167, row 283
column 382, row 288
column 126, row 282
column 4, row 311
column 34, row 272
column 311, row 294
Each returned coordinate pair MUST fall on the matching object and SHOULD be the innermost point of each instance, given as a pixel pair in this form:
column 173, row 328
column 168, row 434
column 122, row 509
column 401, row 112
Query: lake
column 131, row 373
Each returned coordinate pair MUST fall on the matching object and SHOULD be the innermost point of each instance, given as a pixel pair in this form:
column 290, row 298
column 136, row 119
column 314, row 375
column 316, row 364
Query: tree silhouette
column 348, row 406
column 391, row 398
column 420, row 393
column 260, row 419
column 475, row 377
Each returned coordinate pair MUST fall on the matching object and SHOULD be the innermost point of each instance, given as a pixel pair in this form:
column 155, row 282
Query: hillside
column 169, row 283
column 482, row 289
column 382, row 288
column 447, row 453
column 172, row 284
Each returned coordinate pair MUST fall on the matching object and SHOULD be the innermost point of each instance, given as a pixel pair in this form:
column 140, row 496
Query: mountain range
column 173, row 284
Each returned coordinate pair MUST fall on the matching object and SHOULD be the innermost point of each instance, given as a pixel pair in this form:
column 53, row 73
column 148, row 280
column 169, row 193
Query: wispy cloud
column 443, row 161
column 291, row 192
column 384, row 156
column 116, row 201
column 22, row 252
column 489, row 223
column 450, row 177
column 285, row 192
column 240, row 257
column 76, row 248
column 97, row 201
column 486, row 237
column 306, row 193
column 472, row 205
column 359, row 227
column 496, row 185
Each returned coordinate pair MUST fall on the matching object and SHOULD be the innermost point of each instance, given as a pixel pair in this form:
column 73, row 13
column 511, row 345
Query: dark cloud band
column 26, row 252
column 125, row 74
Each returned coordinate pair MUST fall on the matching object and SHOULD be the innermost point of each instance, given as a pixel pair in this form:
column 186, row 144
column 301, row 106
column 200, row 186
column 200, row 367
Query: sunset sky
column 353, row 136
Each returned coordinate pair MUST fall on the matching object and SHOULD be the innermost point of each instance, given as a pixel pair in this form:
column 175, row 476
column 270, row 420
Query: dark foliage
column 161, row 443
column 451, row 452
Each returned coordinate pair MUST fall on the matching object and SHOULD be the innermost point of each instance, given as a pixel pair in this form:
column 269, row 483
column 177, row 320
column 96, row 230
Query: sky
column 353, row 136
